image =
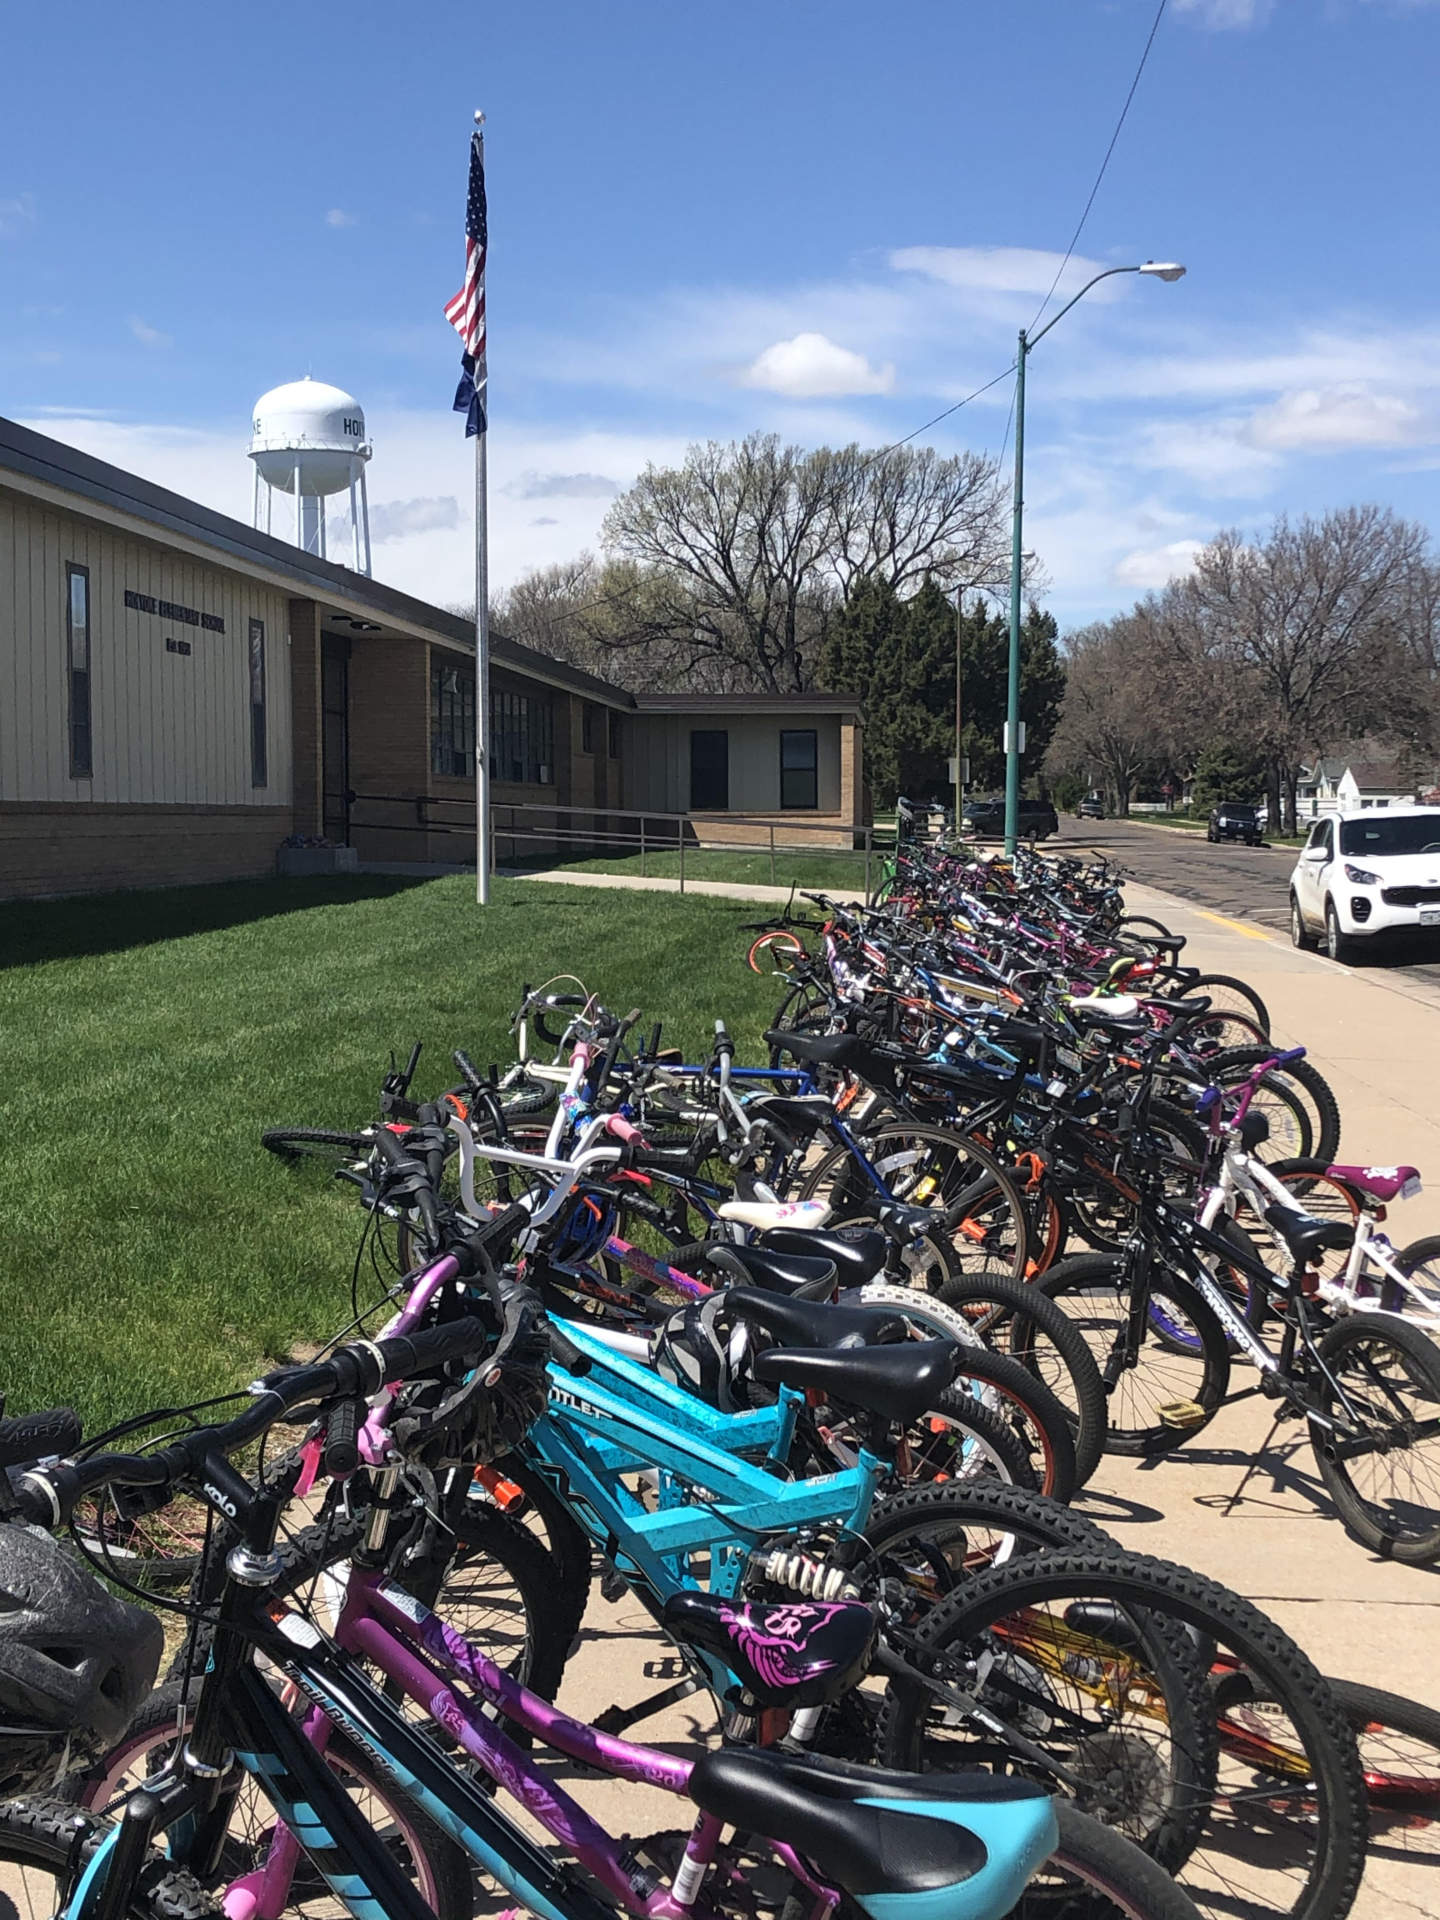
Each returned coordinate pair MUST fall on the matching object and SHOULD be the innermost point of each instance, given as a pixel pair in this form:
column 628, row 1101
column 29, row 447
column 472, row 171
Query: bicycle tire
column 939, row 1525
column 1101, row 1213
column 1104, row 1874
column 37, row 1836
column 1402, row 1784
column 1423, row 1253
column 439, row 1868
column 1005, row 1246
column 1174, row 1374
column 565, row 1540
column 1237, row 1063
column 302, row 1143
column 1219, row 984
column 1394, row 1526
column 1031, row 1322
column 1319, row 1194
column 1329, row 1797
column 994, row 1449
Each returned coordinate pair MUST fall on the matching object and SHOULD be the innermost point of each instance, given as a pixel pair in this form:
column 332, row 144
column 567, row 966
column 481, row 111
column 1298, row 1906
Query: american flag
column 466, row 311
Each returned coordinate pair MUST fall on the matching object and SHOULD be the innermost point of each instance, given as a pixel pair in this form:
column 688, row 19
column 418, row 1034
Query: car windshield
column 1377, row 836
column 1237, row 809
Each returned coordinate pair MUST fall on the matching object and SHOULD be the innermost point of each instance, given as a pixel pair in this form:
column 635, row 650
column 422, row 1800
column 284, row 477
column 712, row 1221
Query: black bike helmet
column 73, row 1658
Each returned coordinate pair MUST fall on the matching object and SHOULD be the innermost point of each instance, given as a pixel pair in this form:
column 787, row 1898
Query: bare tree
column 1313, row 617
column 1107, row 729
column 746, row 550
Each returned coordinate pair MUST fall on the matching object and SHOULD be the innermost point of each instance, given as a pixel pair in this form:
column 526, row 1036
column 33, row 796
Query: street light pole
column 1159, row 270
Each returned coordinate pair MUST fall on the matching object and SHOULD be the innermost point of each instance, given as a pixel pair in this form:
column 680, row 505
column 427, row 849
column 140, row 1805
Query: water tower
column 309, row 443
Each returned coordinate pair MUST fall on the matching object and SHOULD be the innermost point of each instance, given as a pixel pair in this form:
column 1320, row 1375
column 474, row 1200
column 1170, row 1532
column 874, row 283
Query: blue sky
column 814, row 216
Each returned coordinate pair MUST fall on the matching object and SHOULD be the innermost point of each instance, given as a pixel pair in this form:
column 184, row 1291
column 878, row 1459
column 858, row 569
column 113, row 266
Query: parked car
column 1092, row 807
column 1235, row 820
column 1038, row 819
column 1363, row 872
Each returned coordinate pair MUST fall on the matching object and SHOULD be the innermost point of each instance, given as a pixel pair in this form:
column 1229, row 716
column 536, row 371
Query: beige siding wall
column 169, row 729
column 658, row 759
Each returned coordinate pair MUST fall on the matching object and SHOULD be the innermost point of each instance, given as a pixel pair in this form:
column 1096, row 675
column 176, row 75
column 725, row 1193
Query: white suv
column 1366, row 871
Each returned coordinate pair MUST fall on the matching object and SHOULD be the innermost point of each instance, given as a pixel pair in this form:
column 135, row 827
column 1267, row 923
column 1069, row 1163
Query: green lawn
column 820, row 872
column 152, row 1251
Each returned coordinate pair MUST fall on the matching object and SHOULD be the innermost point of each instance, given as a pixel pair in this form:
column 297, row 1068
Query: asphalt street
column 1239, row 882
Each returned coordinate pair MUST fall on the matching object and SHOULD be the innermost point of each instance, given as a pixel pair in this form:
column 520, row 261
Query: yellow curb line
column 1235, row 926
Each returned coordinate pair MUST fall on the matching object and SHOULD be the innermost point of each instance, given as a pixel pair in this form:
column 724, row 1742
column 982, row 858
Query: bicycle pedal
column 612, row 1586
column 1183, row 1415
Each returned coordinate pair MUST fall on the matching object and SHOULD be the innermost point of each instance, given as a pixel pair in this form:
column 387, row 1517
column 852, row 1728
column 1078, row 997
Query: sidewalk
column 638, row 883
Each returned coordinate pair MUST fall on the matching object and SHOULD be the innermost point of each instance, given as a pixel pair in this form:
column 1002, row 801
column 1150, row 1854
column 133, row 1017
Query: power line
column 1075, row 237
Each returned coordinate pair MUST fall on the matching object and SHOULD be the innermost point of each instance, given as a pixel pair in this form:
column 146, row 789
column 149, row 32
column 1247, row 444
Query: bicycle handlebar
column 32, row 1436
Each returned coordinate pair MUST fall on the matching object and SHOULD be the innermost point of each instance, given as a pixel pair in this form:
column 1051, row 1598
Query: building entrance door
column 335, row 739
column 709, row 769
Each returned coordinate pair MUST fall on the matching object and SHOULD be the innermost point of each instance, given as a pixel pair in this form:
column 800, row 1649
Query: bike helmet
column 74, row 1660
column 691, row 1351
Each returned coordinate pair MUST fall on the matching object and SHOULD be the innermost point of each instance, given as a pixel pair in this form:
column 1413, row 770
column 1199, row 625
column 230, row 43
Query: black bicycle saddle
column 813, row 1323
column 812, row 1278
column 897, row 1382
column 1307, row 1237
column 858, row 1252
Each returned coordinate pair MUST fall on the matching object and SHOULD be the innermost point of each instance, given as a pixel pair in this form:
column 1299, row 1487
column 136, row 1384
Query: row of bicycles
column 807, row 1358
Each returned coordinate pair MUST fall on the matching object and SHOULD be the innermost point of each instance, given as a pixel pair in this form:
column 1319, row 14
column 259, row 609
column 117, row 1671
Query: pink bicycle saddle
column 1381, row 1183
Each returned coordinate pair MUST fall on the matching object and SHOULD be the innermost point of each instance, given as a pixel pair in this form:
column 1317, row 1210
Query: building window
column 709, row 769
column 522, row 737
column 587, row 729
column 614, row 736
column 799, row 760
column 259, row 765
column 77, row 642
column 452, row 719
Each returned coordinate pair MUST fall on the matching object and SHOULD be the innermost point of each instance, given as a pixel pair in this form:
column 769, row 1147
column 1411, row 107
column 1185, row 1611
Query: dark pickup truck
column 987, row 819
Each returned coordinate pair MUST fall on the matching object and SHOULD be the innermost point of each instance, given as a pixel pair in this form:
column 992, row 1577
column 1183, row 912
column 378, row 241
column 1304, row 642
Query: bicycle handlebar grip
column 468, row 1072
column 433, row 1347
column 389, row 1148
column 1294, row 1053
column 341, row 1454
column 566, row 1354
column 35, row 1436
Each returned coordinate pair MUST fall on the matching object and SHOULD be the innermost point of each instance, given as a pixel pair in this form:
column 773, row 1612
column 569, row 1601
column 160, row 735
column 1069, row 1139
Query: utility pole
column 959, row 723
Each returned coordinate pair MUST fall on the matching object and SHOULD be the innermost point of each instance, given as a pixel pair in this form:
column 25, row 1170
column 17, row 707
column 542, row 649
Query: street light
column 1158, row 270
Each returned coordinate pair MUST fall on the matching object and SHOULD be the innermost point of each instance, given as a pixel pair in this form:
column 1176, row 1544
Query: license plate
column 1430, row 916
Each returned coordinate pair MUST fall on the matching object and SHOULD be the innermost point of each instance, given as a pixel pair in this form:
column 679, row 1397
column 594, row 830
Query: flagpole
column 482, row 637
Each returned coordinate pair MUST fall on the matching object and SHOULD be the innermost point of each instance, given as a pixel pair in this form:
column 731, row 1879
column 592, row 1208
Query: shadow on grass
column 32, row 931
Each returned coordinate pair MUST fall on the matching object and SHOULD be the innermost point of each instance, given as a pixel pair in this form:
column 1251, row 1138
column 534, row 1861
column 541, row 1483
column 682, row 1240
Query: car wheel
column 1210, row 835
column 1299, row 932
column 1337, row 944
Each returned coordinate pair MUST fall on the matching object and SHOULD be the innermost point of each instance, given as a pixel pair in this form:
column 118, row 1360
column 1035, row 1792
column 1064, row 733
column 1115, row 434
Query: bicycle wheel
column 1254, row 1834
column 1226, row 994
column 1382, row 1468
column 1420, row 1264
column 1017, row 1317
column 1326, row 1198
column 1180, row 1374
column 1301, row 1078
column 314, row 1143
column 437, row 1868
column 960, row 1438
column 40, row 1865
column 1400, row 1754
column 775, row 952
column 551, row 1518
column 1095, row 1873
column 1101, row 1207
column 981, row 1224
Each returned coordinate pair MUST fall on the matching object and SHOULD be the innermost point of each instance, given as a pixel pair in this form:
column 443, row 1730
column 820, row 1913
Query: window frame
column 452, row 717
column 255, row 668
column 522, row 718
column 79, row 770
column 811, row 772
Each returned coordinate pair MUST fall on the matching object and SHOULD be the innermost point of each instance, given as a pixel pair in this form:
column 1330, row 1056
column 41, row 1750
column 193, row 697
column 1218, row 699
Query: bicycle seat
column 1120, row 1010
column 814, row 1323
column 1307, row 1237
column 1381, row 1183
column 812, row 1279
column 794, row 1653
column 844, row 1050
column 802, row 1114
column 898, row 1383
column 1185, row 1010
column 869, row 1831
column 858, row 1252
column 764, row 1214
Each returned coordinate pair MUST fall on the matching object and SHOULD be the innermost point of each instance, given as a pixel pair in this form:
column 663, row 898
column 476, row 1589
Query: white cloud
column 812, row 367
column 337, row 217
column 18, row 216
column 1322, row 419
column 147, row 335
column 996, row 269
column 545, row 520
column 566, row 486
column 1225, row 15
column 398, row 519
column 1146, row 567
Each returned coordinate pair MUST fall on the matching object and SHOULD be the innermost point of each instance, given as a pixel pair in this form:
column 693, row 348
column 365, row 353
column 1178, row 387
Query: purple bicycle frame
column 381, row 1623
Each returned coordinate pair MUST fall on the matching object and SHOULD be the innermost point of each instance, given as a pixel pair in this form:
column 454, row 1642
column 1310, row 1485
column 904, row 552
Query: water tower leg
column 299, row 521
column 365, row 517
column 354, row 519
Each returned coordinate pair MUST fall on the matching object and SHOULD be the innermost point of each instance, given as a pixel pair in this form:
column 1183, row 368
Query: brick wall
column 75, row 847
